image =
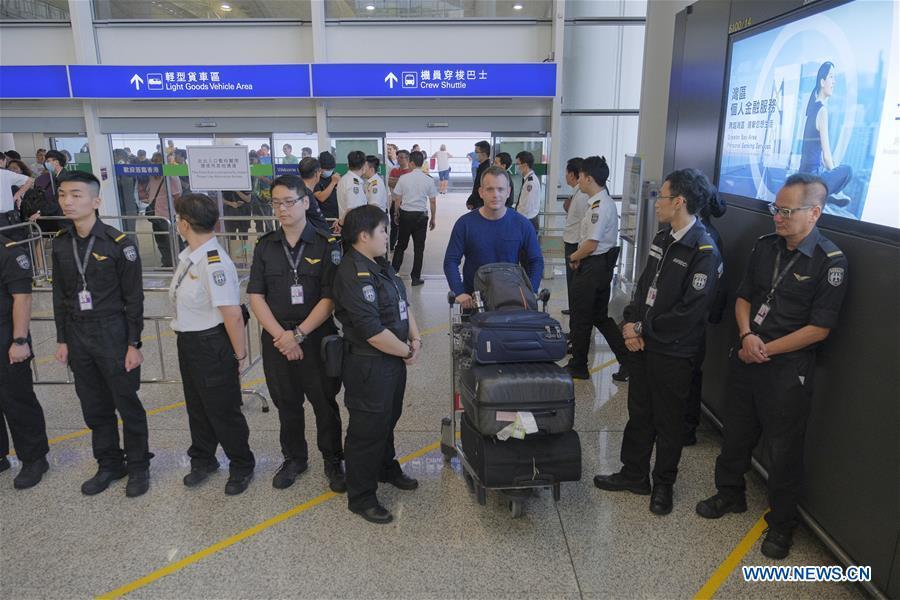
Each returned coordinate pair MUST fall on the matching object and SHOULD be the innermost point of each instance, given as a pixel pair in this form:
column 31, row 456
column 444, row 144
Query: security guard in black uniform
column 290, row 293
column 788, row 302
column 18, row 404
column 663, row 326
column 381, row 340
column 98, row 305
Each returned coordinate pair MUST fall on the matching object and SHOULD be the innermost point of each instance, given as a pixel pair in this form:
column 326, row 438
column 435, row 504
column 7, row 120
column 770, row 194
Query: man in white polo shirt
column 530, row 196
column 376, row 191
column 8, row 201
column 413, row 193
column 575, row 208
column 351, row 190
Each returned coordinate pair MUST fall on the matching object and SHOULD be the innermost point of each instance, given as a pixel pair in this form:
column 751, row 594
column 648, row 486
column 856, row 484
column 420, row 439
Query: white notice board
column 218, row 168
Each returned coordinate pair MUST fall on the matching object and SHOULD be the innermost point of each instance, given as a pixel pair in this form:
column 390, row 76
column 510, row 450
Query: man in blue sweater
column 490, row 234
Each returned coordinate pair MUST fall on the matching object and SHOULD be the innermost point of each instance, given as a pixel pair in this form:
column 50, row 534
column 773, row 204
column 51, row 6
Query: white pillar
column 320, row 55
column 553, row 187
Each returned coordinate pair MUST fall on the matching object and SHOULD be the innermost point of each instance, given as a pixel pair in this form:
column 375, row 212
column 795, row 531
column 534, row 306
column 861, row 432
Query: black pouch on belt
column 245, row 312
column 333, row 354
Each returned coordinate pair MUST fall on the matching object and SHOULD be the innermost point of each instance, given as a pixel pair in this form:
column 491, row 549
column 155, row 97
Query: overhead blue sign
column 175, row 82
column 38, row 81
column 428, row 80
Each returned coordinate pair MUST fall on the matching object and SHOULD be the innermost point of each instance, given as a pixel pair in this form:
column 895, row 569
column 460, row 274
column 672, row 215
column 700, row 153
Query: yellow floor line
column 603, row 366
column 715, row 581
column 238, row 537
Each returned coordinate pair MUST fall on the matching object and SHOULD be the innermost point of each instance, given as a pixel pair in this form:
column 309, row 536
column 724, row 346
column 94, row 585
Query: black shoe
column 31, row 474
column 199, row 474
column 661, row 500
column 101, row 480
column 570, row 349
column 716, row 506
column 777, row 544
column 287, row 473
column 566, row 311
column 690, row 438
column 621, row 375
column 237, row 483
column 617, row 482
column 375, row 514
column 337, row 481
column 4, row 464
column 138, row 483
column 416, row 282
column 401, row 480
column 577, row 372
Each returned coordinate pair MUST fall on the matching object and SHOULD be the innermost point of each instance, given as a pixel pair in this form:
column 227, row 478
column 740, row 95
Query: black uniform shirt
column 367, row 297
column 330, row 206
column 810, row 293
column 113, row 274
column 687, row 272
column 475, row 200
column 15, row 276
column 272, row 276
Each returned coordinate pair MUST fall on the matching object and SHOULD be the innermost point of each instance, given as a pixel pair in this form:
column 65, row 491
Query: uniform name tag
column 404, row 315
column 761, row 313
column 297, row 294
column 651, row 295
column 84, row 300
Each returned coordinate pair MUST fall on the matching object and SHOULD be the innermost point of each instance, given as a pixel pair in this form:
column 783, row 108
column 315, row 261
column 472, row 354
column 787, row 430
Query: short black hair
column 326, row 160
column 13, row 154
column 288, row 146
column 403, row 152
column 504, row 158
column 417, row 158
column 81, row 177
column 573, row 165
column 692, row 185
column 365, row 218
column 266, row 146
column 526, row 157
column 57, row 156
column 596, row 167
column 199, row 210
column 356, row 159
column 373, row 161
column 305, row 150
column 309, row 166
column 495, row 171
column 292, row 182
column 815, row 190
column 484, row 146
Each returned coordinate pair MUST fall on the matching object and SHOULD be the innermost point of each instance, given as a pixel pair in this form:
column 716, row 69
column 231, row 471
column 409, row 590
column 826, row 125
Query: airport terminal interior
column 160, row 99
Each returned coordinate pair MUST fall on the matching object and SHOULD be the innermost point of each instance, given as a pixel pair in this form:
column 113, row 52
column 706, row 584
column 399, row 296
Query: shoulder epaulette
column 767, row 236
column 595, row 204
column 829, row 247
column 363, row 274
column 212, row 257
column 706, row 247
column 264, row 236
column 325, row 233
column 6, row 241
column 61, row 232
column 835, row 253
column 115, row 234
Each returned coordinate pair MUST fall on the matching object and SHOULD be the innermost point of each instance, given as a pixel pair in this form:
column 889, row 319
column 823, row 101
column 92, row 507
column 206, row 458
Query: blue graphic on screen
column 818, row 95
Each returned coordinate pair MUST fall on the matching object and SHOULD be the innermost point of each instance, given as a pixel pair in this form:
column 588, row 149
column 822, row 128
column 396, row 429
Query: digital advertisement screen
column 818, row 95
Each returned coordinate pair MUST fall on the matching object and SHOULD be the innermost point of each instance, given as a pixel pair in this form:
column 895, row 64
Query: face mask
column 327, row 172
column 48, row 165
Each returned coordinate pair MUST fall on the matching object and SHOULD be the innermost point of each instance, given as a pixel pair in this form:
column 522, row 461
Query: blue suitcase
column 512, row 336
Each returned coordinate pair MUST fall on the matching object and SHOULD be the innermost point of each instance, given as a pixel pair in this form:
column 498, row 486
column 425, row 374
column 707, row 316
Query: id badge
column 651, row 295
column 403, row 314
column 297, row 294
column 761, row 313
column 84, row 300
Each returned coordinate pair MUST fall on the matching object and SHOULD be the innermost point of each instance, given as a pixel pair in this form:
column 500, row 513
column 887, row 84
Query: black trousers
column 415, row 225
column 212, row 394
column 373, row 391
column 19, row 407
column 692, row 411
column 161, row 237
column 772, row 400
column 591, row 285
column 658, row 387
column 568, row 249
column 289, row 381
column 97, row 351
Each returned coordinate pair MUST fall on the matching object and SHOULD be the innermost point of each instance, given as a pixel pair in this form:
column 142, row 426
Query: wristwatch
column 20, row 341
column 136, row 345
column 299, row 336
column 639, row 327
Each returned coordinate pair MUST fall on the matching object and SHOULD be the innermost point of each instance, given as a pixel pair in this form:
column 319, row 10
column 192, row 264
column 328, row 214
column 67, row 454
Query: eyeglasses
column 661, row 197
column 289, row 203
column 785, row 212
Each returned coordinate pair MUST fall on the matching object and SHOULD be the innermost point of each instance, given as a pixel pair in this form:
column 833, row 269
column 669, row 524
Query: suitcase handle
column 542, row 479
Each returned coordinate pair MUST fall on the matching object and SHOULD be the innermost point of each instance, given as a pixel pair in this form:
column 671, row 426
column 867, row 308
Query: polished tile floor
column 302, row 542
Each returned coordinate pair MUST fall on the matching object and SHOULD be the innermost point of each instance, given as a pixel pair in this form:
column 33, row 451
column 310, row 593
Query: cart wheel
column 448, row 453
column 481, row 494
column 470, row 483
column 516, row 508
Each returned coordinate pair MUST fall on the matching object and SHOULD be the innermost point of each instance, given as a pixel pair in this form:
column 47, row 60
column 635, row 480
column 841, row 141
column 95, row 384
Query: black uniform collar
column 807, row 246
column 97, row 230
column 308, row 234
column 363, row 261
column 691, row 238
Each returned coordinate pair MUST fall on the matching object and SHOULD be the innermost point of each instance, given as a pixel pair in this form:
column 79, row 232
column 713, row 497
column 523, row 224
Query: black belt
column 363, row 350
column 412, row 212
column 218, row 329
column 93, row 317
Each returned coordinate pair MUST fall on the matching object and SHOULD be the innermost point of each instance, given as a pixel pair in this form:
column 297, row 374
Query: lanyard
column 181, row 278
column 292, row 262
column 662, row 260
column 82, row 265
column 777, row 277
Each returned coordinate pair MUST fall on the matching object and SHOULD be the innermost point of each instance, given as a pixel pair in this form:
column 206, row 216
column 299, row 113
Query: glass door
column 369, row 143
column 76, row 150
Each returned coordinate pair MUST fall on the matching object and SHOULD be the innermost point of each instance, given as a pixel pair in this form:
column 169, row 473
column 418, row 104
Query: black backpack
column 34, row 200
column 505, row 286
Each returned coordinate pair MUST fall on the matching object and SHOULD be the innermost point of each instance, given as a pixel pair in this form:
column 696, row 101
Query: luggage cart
column 452, row 447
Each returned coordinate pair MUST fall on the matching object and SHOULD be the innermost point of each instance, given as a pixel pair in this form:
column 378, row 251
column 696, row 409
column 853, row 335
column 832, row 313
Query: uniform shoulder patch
column 219, row 277
column 130, row 253
column 336, row 256
column 836, row 276
column 212, row 257
column 369, row 293
column 23, row 262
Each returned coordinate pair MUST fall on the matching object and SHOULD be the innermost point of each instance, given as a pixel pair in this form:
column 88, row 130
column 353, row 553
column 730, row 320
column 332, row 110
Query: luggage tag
column 651, row 295
column 404, row 315
column 84, row 300
column 297, row 294
column 761, row 313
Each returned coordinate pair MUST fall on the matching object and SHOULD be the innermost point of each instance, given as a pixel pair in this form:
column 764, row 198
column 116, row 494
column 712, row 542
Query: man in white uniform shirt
column 530, row 196
column 351, row 190
column 376, row 191
column 8, row 201
column 414, row 192
column 575, row 208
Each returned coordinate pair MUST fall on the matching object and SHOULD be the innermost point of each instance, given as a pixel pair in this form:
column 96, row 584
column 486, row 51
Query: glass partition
column 201, row 10
column 34, row 10
column 440, row 9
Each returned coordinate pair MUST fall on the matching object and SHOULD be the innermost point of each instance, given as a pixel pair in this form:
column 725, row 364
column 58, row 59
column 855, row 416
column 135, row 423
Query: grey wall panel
column 202, row 125
column 415, row 123
column 42, row 124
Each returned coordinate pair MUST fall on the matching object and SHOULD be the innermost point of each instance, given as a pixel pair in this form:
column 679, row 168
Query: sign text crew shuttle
column 174, row 82
column 424, row 80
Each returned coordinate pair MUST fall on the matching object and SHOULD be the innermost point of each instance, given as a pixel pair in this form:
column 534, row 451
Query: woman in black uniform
column 380, row 340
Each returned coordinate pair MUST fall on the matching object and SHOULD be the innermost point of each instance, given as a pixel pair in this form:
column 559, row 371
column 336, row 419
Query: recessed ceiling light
column 517, row 6
column 225, row 7
column 370, row 7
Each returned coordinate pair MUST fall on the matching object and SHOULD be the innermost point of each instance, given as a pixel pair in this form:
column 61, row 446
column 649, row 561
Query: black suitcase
column 536, row 460
column 513, row 336
column 492, row 394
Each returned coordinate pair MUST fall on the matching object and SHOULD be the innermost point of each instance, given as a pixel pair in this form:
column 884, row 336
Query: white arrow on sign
column 137, row 81
column 391, row 79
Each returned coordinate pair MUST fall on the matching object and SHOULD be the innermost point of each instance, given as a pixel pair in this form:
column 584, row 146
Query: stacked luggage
column 507, row 375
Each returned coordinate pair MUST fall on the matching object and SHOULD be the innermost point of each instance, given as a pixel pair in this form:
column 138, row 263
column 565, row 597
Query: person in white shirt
column 442, row 158
column 575, row 208
column 376, row 190
column 414, row 192
column 212, row 346
column 9, row 202
column 351, row 190
column 530, row 196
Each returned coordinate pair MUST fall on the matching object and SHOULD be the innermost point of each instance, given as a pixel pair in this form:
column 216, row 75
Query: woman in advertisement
column 815, row 157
